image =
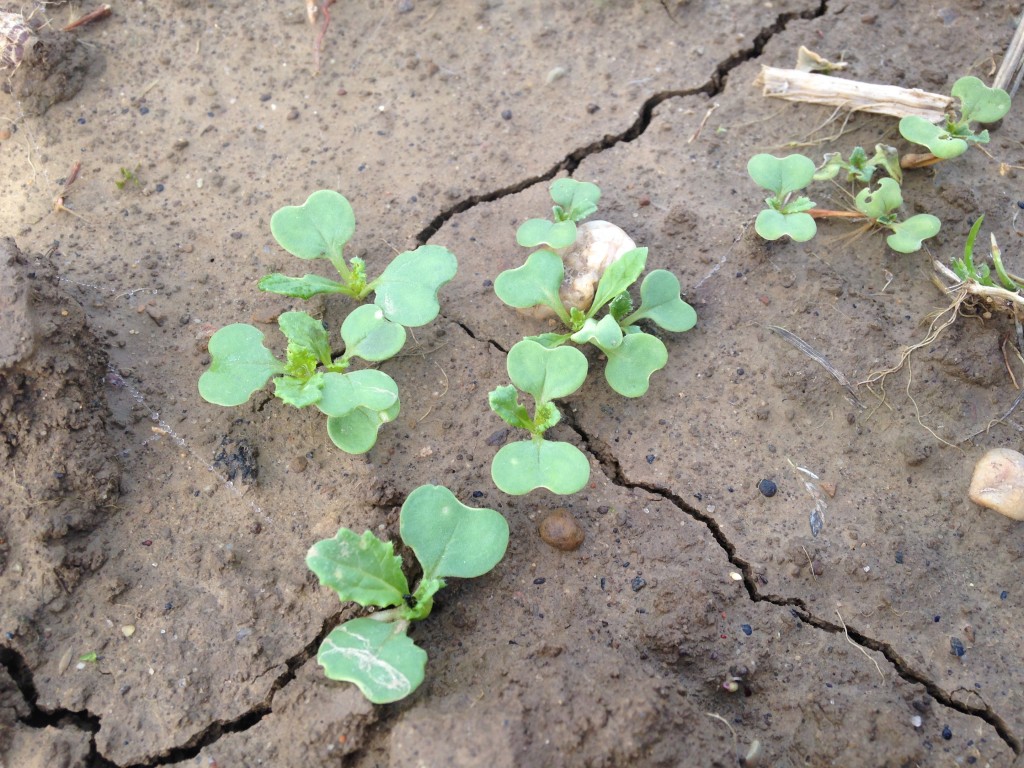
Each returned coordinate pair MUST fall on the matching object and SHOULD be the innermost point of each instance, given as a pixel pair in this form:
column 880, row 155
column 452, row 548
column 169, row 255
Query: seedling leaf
column 545, row 373
column 938, row 139
column 771, row 225
column 660, row 302
column 305, row 287
column 239, row 365
column 308, row 342
column 449, row 538
column 504, row 401
column 319, row 228
column 603, row 333
column 299, row 392
column 407, row 289
column 356, row 431
column 370, row 335
column 908, row 235
column 880, row 202
column 556, row 234
column 574, row 200
column 344, row 392
column 978, row 102
column 631, row 364
column 362, row 569
column 781, row 175
column 377, row 656
column 536, row 282
column 619, row 275
column 526, row 465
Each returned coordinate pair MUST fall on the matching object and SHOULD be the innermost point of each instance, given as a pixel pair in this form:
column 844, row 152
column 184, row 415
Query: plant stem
column 912, row 161
column 824, row 213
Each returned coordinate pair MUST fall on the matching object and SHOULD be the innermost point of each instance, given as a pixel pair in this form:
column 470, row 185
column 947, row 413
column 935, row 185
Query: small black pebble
column 159, row 187
column 650, row 458
column 899, row 558
column 81, row 121
column 592, row 108
column 936, row 619
column 539, row 580
column 638, row 583
column 747, row 629
column 488, row 283
column 143, row 110
column 1003, row 595
column 767, row 488
column 956, row 647
column 947, row 732
column 740, row 371
column 506, row 114
column 265, row 97
column 362, row 167
column 477, row 494
column 1020, row 204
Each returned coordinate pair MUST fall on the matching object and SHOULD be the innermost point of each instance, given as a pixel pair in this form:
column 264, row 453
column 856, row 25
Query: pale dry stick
column 809, row 562
column 819, row 358
column 858, row 647
column 1011, row 71
column 94, row 15
column 703, row 122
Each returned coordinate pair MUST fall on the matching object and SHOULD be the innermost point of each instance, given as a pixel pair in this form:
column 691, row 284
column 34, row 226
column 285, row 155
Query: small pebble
column 956, row 647
column 947, row 732
column 817, row 567
column 638, row 583
column 506, row 114
column 561, row 531
column 1003, row 595
column 998, row 482
column 128, row 630
column 298, row 464
column 539, row 580
column 767, row 488
column 747, row 629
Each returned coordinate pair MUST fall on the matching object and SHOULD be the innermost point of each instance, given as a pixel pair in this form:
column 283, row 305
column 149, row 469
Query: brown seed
column 561, row 531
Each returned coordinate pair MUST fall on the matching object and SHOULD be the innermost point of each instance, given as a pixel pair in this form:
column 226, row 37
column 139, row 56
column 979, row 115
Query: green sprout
column 978, row 103
column 861, row 168
column 545, row 374
column 785, row 214
column 449, row 540
column 128, row 176
column 967, row 270
column 881, row 204
column 574, row 201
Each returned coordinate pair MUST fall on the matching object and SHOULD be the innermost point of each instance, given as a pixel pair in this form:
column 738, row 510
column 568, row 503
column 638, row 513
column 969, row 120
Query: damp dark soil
column 155, row 607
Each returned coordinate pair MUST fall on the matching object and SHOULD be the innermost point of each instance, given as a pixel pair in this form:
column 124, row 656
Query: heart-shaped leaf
column 304, row 287
column 370, row 335
column 299, row 392
column 375, row 655
column 344, row 392
column 356, row 431
column 407, row 290
column 908, row 235
column 545, row 373
column 618, row 276
column 631, row 364
column 449, row 538
column 604, row 333
column 534, row 232
column 660, row 302
column 978, row 102
column 879, row 202
column 536, row 282
column 239, row 365
column 781, row 175
column 574, row 200
column 319, row 228
column 771, row 225
column 362, row 569
column 526, row 465
column 938, row 140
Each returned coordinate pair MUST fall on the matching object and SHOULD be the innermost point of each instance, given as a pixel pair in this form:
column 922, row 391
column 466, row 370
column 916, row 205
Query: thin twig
column 819, row 358
column 94, row 15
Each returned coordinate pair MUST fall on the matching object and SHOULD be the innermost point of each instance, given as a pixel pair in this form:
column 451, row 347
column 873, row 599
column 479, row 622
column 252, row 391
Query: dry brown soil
column 444, row 122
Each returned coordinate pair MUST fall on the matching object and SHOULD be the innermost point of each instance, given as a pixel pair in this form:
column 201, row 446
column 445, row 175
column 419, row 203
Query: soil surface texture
column 155, row 605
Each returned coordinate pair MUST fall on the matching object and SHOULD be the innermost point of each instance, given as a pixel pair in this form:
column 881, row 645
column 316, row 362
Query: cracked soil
column 444, row 122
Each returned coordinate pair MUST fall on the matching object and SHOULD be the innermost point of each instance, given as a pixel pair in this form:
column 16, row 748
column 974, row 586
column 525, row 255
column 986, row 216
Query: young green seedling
column 967, row 270
column 356, row 403
column 861, row 168
column 785, row 215
column 546, row 374
column 406, row 290
column 881, row 204
column 449, row 540
column 574, row 201
column 978, row 103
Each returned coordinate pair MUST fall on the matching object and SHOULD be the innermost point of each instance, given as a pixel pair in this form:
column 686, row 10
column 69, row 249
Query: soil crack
column 613, row 470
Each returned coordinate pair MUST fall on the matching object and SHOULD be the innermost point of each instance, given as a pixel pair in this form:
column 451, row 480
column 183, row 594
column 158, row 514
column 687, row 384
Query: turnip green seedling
column 406, row 290
column 632, row 354
column 546, row 374
column 978, row 104
column 448, row 538
column 785, row 214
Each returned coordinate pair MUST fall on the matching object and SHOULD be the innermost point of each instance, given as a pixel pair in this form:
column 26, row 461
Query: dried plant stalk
column 812, row 88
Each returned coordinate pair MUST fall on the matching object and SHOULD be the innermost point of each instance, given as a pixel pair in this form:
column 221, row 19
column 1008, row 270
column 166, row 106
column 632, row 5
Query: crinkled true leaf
column 449, row 538
column 938, row 140
column 536, row 282
column 356, row 431
column 319, row 228
column 620, row 306
column 375, row 655
column 604, row 333
column 771, row 225
column 631, row 364
column 881, row 201
column 545, row 373
column 557, row 234
column 574, row 200
column 360, row 568
column 781, row 175
column 370, row 335
column 239, row 365
column 299, row 392
column 978, row 102
column 504, row 401
column 908, row 235
column 407, row 289
column 304, row 287
column 660, row 303
column 306, row 336
column 526, row 465
column 618, row 276
column 369, row 388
